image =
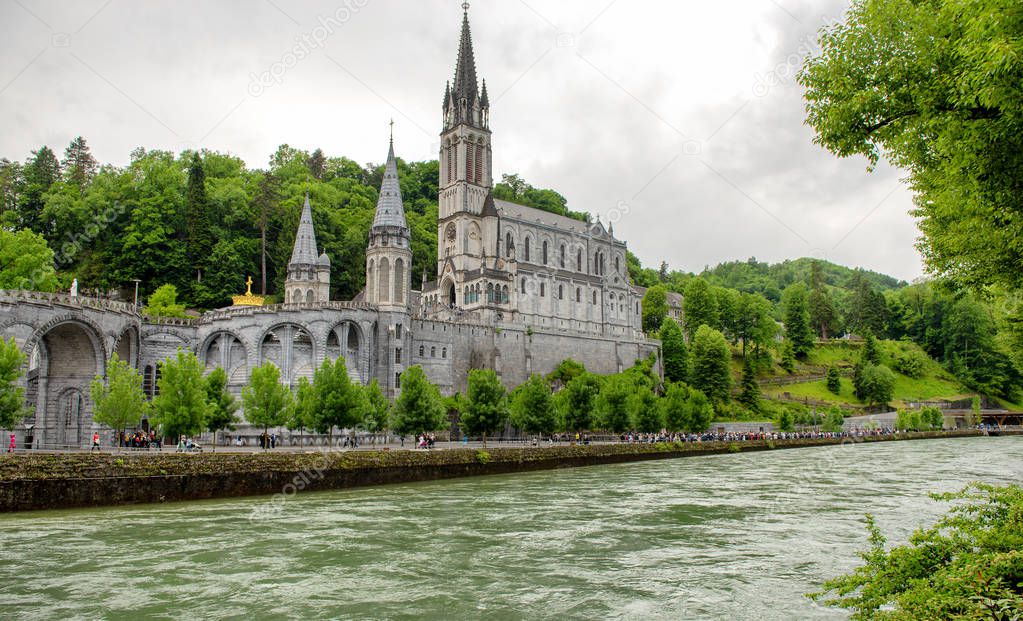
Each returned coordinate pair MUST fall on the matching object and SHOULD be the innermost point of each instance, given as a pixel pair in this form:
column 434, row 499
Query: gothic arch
column 384, row 282
column 291, row 348
column 399, row 281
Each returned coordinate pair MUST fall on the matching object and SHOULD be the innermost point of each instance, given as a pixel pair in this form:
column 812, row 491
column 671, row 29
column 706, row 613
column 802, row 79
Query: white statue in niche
column 74, row 288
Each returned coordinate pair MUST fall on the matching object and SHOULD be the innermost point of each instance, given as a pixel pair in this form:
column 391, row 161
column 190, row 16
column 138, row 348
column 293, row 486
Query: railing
column 65, row 299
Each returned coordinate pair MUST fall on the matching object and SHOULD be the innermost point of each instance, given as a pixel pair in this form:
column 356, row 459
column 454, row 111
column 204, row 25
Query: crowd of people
column 137, row 440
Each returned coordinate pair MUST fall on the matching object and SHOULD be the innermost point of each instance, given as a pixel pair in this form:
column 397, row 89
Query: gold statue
column 248, row 299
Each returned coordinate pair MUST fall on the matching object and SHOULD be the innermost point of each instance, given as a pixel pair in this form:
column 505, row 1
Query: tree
column 834, row 381
column 577, row 401
column 754, row 323
column 877, row 384
column 700, row 307
column 200, row 237
column 612, row 403
column 674, row 351
column 532, row 407
column 871, row 354
column 823, row 313
column 788, row 357
column 317, row 164
column 645, row 412
column 963, row 567
column 41, row 171
column 750, row 394
column 26, row 262
column 12, row 396
column 711, row 372
column 267, row 402
column 566, row 371
column 419, row 407
column 79, row 165
column 267, row 205
column 934, row 87
column 378, row 408
column 655, row 307
column 834, row 420
column 686, row 409
column 181, row 407
column 118, row 402
column 223, row 404
column 797, row 319
column 338, row 402
column 303, row 411
column 785, row 421
column 487, row 408
column 164, row 303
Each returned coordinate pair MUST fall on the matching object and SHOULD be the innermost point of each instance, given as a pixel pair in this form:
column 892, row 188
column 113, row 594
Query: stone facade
column 518, row 290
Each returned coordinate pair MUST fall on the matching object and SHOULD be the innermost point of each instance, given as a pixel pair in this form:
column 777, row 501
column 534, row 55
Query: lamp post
column 136, row 281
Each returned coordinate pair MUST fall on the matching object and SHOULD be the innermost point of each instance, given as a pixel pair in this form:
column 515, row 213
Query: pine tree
column 750, row 395
column 788, row 357
column 79, row 165
column 200, row 240
column 834, row 381
column 797, row 319
column 317, row 164
column 266, row 203
column 823, row 314
column 41, row 171
column 700, row 307
column 871, row 353
column 674, row 351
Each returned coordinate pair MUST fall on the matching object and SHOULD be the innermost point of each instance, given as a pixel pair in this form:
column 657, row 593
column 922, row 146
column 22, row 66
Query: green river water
column 720, row 537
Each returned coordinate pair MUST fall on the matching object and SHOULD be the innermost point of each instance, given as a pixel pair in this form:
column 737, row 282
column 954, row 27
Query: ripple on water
column 741, row 536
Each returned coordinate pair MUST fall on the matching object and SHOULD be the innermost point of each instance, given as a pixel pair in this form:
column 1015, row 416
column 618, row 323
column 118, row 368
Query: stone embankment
column 68, row 480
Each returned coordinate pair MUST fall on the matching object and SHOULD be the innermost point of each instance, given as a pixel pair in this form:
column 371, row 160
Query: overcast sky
column 679, row 121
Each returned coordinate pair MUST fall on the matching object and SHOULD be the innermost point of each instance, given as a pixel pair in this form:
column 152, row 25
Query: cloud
column 649, row 104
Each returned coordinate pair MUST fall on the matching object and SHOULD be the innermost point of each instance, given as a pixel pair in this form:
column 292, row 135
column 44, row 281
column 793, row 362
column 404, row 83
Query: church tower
column 308, row 280
column 389, row 255
column 465, row 167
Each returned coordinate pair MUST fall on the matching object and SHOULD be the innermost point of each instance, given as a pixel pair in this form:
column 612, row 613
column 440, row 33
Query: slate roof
column 390, row 210
column 304, row 251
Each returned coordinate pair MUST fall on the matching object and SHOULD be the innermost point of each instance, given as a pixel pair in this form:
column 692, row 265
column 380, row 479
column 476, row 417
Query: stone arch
column 291, row 348
column 310, row 297
column 227, row 350
column 509, row 245
column 127, row 346
column 526, row 243
column 347, row 340
column 370, row 279
column 473, row 242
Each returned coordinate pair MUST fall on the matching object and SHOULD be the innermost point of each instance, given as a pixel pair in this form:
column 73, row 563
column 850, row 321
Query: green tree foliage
column 302, row 414
column 674, row 351
column 686, row 409
column 338, row 402
column 645, row 411
column 576, row 402
column 41, row 171
column 223, row 404
column 711, row 372
column 750, row 394
column 871, row 353
column 833, row 420
column 788, row 357
column 79, row 165
column 419, row 407
column 515, row 189
column 786, row 421
column 934, row 86
column 655, row 307
column 753, row 326
column 532, row 407
column 487, row 408
column 566, row 371
column 834, row 381
column 797, row 319
column 164, row 303
column 200, row 237
column 12, row 396
column 866, row 309
column 118, row 401
column 876, row 384
column 378, row 408
column 267, row 402
column 823, row 312
column 181, row 407
column 612, row 403
column 700, row 307
column 26, row 262
column 966, row 566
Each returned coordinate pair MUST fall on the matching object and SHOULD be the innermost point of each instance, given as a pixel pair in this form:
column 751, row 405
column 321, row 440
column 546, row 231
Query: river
column 719, row 537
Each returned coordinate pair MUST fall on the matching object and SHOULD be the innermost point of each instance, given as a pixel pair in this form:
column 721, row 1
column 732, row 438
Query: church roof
column 305, row 239
column 390, row 211
column 531, row 215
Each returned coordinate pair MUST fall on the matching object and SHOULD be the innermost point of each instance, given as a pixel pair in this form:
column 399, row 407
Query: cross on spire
column 465, row 7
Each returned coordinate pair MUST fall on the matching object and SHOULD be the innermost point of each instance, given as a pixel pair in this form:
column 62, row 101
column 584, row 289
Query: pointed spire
column 390, row 211
column 304, row 251
column 484, row 100
column 465, row 71
column 447, row 94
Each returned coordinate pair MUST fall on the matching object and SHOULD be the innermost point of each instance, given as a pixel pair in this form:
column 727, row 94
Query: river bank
column 62, row 481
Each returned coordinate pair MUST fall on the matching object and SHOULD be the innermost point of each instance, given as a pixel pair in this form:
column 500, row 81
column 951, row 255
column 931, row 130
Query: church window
column 527, row 249
column 422, row 350
column 578, row 295
column 399, row 281
column 562, row 258
column 468, row 162
column 490, row 293
column 545, row 253
column 561, row 292
column 504, row 294
column 543, row 289
column 397, row 355
column 523, row 285
column 509, row 246
column 444, row 353
column 397, row 331
column 466, row 296
column 618, row 269
column 309, row 296
column 449, row 150
column 397, row 379
column 479, row 163
column 579, row 260
column 433, row 352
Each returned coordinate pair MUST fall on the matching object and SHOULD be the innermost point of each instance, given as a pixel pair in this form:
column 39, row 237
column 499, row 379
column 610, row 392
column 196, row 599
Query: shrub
column 910, row 364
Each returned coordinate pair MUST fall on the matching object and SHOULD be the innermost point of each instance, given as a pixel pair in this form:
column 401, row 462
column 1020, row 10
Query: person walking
column 13, row 445
column 95, row 441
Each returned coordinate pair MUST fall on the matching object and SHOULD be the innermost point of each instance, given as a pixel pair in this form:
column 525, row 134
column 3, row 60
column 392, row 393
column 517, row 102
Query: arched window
column 369, row 281
column 444, row 353
column 504, row 294
column 309, row 296
column 523, row 285
column 526, row 256
column 399, row 281
column 479, row 163
column 618, row 268
column 451, row 168
column 384, row 282
column 433, row 352
column 579, row 260
column 421, row 350
column 543, row 289
column 562, row 257
column 490, row 293
column 594, row 297
column 509, row 245
column 578, row 295
column 545, row 253
column 468, row 161
column 561, row 292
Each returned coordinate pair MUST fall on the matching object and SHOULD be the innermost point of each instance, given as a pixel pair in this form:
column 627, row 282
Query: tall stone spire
column 304, row 251
column 465, row 71
column 390, row 210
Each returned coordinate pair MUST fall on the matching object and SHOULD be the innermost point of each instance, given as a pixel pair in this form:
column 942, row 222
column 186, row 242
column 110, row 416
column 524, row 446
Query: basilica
column 516, row 290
